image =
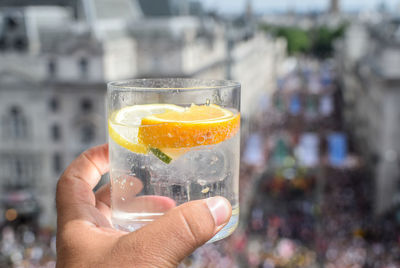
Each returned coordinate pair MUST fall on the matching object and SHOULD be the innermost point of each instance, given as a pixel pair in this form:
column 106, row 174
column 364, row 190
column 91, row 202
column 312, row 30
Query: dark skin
column 85, row 237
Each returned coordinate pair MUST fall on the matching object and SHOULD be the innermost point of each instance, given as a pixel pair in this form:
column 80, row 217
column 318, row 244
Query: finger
column 103, row 194
column 90, row 165
column 132, row 204
column 81, row 176
column 125, row 185
column 105, row 210
column 166, row 241
column 153, row 203
column 103, row 201
column 145, row 204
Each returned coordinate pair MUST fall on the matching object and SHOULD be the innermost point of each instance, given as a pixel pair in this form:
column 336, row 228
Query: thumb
column 168, row 240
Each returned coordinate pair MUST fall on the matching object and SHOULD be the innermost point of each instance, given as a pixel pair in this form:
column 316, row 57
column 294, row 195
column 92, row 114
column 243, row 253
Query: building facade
column 53, row 69
column 370, row 73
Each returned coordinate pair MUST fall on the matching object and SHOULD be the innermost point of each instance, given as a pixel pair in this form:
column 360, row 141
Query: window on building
column 55, row 132
column 17, row 123
column 57, row 163
column 18, row 170
column 18, row 167
column 88, row 133
column 3, row 44
column 86, row 105
column 4, row 127
column 52, row 68
column 54, row 104
column 20, row 43
column 84, row 66
column 11, row 23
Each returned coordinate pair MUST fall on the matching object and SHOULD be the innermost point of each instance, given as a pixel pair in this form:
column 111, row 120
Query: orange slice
column 195, row 126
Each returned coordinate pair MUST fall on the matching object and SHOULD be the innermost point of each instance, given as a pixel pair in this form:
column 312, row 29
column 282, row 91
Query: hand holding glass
column 172, row 141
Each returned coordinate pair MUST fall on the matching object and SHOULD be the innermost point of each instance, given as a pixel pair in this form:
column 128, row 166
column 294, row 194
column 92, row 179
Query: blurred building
column 56, row 57
column 334, row 6
column 369, row 57
column 54, row 62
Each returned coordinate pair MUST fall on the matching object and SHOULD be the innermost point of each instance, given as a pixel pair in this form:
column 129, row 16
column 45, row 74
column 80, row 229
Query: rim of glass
column 129, row 84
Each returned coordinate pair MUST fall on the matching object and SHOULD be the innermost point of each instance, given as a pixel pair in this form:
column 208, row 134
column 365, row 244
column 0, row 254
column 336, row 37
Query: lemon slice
column 123, row 125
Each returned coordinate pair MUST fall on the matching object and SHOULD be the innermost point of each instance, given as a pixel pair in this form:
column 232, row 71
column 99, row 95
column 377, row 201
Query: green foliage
column 317, row 41
column 324, row 38
column 297, row 39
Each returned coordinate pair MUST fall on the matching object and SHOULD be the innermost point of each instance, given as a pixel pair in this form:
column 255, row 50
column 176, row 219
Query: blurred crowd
column 306, row 197
column 23, row 246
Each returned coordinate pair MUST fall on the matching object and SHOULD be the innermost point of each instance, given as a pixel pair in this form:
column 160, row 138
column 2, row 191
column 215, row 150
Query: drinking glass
column 172, row 141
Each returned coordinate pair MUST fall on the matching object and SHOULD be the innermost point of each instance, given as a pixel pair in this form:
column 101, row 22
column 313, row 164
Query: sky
column 236, row 6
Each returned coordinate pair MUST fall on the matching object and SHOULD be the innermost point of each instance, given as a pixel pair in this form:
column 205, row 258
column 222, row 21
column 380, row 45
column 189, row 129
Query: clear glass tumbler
column 172, row 141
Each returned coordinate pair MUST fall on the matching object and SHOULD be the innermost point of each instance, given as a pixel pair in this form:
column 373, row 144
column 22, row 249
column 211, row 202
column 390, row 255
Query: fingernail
column 220, row 209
